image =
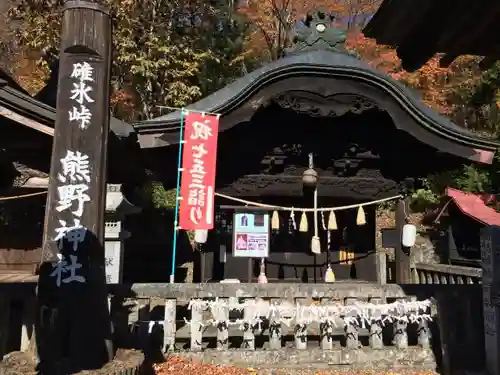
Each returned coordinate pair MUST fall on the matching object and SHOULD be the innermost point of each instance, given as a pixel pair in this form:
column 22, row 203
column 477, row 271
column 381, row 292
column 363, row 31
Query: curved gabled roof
column 316, row 63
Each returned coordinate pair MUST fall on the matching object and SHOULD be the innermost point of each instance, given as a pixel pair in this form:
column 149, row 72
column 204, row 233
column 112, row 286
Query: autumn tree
column 166, row 53
column 273, row 21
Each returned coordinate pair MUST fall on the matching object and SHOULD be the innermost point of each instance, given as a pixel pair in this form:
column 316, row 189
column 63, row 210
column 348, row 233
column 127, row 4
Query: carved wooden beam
column 358, row 188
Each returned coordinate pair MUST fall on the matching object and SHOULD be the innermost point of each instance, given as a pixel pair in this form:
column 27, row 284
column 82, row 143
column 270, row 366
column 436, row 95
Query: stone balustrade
column 156, row 317
column 445, row 274
column 344, row 323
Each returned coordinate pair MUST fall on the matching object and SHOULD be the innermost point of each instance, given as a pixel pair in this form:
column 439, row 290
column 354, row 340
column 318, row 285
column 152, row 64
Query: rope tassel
column 275, row 221
column 332, row 221
column 361, row 217
column 329, row 275
column 303, row 226
column 315, row 242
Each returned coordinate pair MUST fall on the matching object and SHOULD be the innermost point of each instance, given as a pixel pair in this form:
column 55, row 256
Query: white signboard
column 251, row 235
column 113, row 262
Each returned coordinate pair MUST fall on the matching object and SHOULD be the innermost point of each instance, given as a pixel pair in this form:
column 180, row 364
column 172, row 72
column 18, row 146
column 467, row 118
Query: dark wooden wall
column 21, row 220
column 21, row 229
column 148, row 252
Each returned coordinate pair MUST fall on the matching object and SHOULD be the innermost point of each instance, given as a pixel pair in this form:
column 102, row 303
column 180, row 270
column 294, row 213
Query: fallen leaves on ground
column 180, row 365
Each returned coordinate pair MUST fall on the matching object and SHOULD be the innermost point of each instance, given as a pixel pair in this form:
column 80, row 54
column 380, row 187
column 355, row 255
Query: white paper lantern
column 409, row 235
column 200, row 236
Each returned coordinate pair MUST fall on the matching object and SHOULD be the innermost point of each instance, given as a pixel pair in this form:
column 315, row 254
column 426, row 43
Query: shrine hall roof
column 322, row 63
column 474, row 206
column 420, row 29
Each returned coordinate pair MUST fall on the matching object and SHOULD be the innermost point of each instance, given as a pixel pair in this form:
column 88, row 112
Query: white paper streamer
column 362, row 314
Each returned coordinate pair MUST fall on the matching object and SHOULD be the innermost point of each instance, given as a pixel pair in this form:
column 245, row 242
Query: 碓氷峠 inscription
column 83, row 77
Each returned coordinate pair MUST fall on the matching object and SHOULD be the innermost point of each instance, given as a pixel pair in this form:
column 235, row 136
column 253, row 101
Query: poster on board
column 251, row 235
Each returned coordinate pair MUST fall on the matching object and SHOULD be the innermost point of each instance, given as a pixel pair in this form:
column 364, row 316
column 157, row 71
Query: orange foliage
column 273, row 31
column 434, row 83
column 273, row 20
column 123, row 104
column 29, row 74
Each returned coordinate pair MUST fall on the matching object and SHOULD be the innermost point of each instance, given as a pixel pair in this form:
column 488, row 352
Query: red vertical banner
column 199, row 156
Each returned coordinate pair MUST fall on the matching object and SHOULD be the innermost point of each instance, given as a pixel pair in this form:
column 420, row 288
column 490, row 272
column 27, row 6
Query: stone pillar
column 490, row 259
column 117, row 207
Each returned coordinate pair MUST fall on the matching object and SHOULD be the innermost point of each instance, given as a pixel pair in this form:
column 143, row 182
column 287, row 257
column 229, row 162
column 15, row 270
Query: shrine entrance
column 269, row 168
column 365, row 136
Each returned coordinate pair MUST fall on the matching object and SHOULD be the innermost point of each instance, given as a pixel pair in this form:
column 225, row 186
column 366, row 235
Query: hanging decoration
column 332, row 221
column 200, row 236
column 292, row 217
column 361, row 217
column 329, row 275
column 303, row 226
column 361, row 214
column 275, row 221
column 323, row 225
column 315, row 242
column 360, row 313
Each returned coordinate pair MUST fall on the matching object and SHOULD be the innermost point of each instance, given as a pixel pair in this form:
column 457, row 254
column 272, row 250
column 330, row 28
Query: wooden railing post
column 275, row 327
column 400, row 334
column 300, row 331
column 326, row 329
column 375, row 340
column 169, row 325
column 249, row 314
column 424, row 333
column 351, row 329
column 143, row 322
column 196, row 328
column 222, row 316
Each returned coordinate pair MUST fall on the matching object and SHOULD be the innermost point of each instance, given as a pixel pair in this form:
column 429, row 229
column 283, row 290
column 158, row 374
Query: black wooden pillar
column 403, row 274
column 73, row 330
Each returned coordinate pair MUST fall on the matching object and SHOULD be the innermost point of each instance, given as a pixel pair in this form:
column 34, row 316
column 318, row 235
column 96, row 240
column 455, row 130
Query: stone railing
column 445, row 274
column 155, row 317
column 339, row 324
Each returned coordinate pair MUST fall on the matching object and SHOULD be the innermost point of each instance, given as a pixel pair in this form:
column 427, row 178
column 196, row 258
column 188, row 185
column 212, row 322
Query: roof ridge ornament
column 317, row 32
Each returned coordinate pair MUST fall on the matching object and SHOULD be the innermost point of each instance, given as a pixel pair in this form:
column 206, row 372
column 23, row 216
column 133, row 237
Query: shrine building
column 365, row 136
